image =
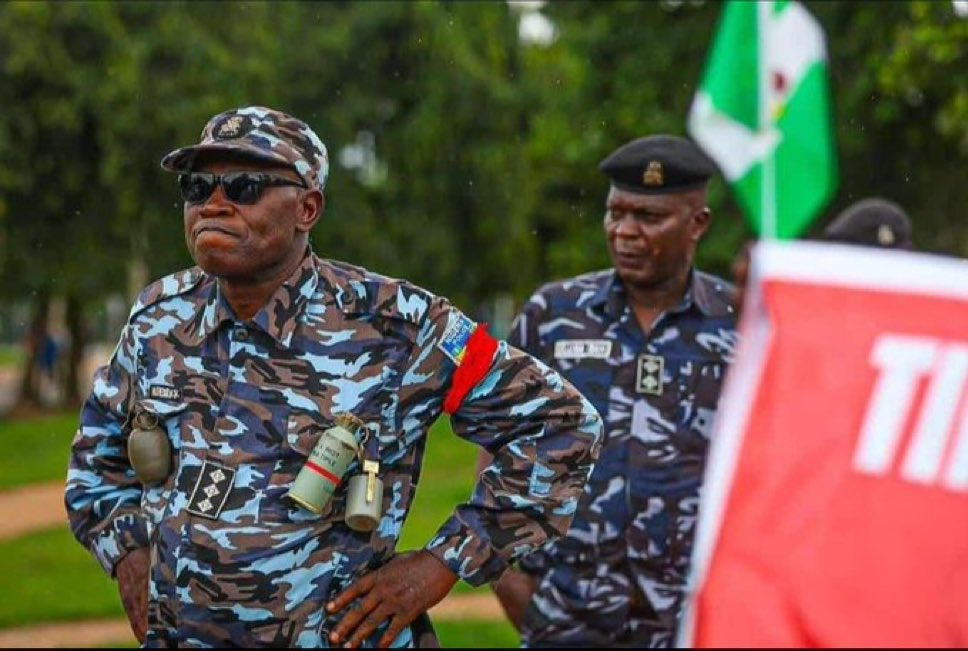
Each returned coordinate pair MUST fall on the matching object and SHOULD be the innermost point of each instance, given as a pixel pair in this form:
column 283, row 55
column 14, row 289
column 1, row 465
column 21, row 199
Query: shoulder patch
column 172, row 285
column 454, row 340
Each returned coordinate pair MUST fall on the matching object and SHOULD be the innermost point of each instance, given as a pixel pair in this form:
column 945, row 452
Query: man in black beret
column 872, row 222
column 648, row 342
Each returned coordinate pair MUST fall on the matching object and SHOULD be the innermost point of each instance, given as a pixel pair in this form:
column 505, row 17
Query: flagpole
column 768, row 177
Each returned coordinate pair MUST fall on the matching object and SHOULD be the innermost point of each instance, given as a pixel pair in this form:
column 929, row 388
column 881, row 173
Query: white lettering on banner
column 902, row 362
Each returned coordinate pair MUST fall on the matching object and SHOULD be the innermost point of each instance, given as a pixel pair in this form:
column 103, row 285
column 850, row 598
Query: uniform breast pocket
column 595, row 379
column 166, row 414
column 694, row 389
column 303, row 434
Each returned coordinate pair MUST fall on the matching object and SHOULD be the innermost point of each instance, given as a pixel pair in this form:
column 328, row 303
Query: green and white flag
column 763, row 114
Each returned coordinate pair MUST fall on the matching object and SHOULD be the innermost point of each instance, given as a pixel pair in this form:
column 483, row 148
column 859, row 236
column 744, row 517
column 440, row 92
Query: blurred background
column 464, row 139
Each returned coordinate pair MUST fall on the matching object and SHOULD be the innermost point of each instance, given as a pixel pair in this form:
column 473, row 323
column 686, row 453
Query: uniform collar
column 701, row 292
column 281, row 314
column 712, row 295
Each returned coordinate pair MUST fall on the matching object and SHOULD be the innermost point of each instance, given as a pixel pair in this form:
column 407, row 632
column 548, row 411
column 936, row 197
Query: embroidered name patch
column 162, row 392
column 454, row 341
column 583, row 348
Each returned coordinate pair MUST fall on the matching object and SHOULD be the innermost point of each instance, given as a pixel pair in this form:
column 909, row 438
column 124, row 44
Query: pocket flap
column 162, row 408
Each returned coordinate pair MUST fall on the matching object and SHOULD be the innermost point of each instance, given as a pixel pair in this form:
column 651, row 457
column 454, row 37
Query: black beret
column 872, row 222
column 658, row 165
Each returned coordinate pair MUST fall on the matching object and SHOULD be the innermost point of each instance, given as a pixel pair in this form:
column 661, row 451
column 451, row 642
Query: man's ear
column 311, row 207
column 700, row 223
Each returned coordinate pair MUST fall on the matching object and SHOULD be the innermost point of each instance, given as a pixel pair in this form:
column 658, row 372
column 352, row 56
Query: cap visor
column 182, row 160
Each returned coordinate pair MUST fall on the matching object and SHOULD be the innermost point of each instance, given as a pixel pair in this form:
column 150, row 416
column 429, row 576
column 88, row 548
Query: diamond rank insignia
column 648, row 377
column 211, row 490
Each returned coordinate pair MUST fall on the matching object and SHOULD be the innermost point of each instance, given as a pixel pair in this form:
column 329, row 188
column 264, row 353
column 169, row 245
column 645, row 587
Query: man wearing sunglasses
column 236, row 371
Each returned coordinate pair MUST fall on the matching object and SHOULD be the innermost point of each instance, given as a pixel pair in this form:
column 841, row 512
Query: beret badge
column 652, row 176
column 885, row 236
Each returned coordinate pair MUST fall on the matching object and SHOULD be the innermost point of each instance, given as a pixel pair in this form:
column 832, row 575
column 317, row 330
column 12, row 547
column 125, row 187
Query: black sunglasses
column 239, row 187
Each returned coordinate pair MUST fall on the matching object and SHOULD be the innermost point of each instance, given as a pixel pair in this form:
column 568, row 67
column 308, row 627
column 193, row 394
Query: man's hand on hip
column 398, row 592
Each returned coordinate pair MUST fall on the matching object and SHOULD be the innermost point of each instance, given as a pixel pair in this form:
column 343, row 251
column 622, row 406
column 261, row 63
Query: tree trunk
column 73, row 315
column 29, row 399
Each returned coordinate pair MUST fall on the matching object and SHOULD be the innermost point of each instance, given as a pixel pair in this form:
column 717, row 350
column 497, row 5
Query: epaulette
column 365, row 292
column 171, row 285
column 714, row 294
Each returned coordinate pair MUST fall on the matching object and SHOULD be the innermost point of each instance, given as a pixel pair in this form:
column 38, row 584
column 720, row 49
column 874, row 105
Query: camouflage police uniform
column 233, row 560
column 618, row 576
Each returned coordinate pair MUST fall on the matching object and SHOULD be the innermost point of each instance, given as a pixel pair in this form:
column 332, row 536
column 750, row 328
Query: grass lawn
column 11, row 354
column 53, row 578
column 49, row 577
column 36, row 450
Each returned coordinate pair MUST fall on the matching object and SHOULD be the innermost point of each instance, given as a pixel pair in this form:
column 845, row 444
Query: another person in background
column 236, row 371
column 871, row 222
column 648, row 342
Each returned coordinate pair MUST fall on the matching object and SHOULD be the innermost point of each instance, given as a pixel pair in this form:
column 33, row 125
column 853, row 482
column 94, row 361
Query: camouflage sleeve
column 544, row 437
column 103, row 496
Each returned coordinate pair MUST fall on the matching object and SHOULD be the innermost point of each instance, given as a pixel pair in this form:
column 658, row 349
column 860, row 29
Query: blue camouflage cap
column 263, row 134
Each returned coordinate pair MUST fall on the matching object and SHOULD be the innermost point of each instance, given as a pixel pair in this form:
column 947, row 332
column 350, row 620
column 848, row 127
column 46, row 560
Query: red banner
column 835, row 505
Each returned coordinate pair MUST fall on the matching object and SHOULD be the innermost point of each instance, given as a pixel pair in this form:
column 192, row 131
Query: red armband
column 473, row 367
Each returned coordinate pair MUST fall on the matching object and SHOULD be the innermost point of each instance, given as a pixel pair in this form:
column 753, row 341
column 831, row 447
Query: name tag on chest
column 583, row 349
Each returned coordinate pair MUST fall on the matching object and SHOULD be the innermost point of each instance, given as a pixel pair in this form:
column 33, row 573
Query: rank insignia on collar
column 653, row 174
column 211, row 490
column 648, row 375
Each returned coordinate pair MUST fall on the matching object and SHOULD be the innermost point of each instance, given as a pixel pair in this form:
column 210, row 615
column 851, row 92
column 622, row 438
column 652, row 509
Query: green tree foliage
column 463, row 157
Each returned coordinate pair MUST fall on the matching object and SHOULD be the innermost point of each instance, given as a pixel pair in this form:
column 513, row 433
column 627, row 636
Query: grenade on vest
column 149, row 450
column 324, row 470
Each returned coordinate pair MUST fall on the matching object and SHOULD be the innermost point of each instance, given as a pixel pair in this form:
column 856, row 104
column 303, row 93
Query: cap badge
column 653, row 174
column 885, row 236
column 231, row 128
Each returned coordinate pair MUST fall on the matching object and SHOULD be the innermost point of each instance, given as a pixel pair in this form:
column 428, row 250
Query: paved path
column 92, row 633
column 31, row 508
column 40, row 506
